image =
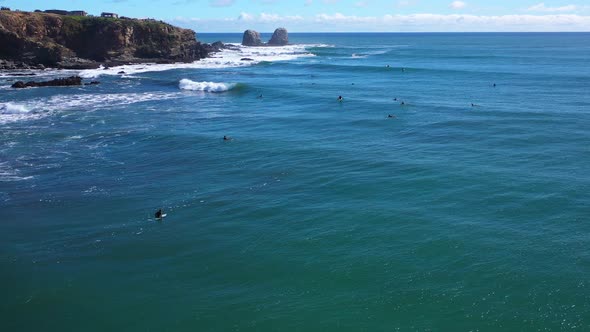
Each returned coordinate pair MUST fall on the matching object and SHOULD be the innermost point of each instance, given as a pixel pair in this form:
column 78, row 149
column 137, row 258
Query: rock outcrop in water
column 36, row 40
column 68, row 81
column 279, row 38
column 251, row 38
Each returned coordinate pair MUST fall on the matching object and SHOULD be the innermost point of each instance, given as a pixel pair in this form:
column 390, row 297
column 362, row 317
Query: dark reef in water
column 68, row 81
column 39, row 40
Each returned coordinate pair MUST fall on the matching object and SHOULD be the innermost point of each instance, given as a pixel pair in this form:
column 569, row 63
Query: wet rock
column 19, row 85
column 279, row 38
column 23, row 74
column 68, row 81
column 251, row 38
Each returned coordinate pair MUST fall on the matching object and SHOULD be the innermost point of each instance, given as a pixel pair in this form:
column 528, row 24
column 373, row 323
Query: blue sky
column 342, row 15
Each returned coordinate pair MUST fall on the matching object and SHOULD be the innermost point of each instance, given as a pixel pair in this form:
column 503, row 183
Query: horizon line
column 416, row 32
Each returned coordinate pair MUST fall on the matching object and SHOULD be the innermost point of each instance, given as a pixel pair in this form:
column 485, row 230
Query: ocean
column 466, row 210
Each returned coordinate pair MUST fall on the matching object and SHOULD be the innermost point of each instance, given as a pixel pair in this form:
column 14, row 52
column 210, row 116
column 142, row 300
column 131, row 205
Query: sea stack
column 279, row 38
column 251, row 38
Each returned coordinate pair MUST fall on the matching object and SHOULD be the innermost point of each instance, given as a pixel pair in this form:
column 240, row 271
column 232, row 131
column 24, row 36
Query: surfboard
column 162, row 216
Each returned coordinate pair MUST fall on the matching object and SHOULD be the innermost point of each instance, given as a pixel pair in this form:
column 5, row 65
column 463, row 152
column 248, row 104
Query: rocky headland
column 39, row 40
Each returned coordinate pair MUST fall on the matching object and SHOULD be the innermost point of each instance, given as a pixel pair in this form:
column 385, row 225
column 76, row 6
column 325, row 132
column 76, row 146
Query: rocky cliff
column 85, row 42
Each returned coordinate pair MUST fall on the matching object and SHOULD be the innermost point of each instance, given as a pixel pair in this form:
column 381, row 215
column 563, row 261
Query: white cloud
column 268, row 18
column 540, row 7
column 457, row 4
column 391, row 23
column 245, row 17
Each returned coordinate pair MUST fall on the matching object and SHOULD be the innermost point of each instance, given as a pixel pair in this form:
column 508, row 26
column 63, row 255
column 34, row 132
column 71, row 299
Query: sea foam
column 11, row 108
column 11, row 112
column 234, row 56
column 186, row 84
column 41, row 107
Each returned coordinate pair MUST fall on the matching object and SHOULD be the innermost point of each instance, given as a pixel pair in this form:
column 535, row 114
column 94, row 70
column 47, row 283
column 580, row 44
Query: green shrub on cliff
column 51, row 38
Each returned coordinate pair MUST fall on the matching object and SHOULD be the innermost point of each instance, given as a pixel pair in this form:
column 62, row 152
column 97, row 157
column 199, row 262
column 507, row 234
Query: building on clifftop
column 56, row 11
column 78, row 13
column 112, row 15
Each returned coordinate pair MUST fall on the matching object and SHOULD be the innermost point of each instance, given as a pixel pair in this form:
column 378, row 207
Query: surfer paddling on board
column 340, row 98
column 158, row 214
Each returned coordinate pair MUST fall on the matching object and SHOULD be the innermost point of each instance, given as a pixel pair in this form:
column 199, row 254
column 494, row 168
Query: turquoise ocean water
column 318, row 215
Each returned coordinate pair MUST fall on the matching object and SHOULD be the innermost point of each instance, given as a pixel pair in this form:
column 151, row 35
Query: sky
column 341, row 15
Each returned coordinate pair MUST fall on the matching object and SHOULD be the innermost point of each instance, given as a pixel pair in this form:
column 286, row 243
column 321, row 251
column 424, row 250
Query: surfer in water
column 227, row 138
column 340, row 98
column 158, row 214
column 390, row 116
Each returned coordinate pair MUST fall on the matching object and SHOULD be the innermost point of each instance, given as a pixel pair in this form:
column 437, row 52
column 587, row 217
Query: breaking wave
column 11, row 112
column 234, row 55
column 186, row 84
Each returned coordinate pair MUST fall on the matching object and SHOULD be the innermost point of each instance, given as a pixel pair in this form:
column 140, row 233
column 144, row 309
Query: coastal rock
column 31, row 40
column 68, row 81
column 19, row 85
column 251, row 38
column 23, row 74
column 279, row 38
column 215, row 47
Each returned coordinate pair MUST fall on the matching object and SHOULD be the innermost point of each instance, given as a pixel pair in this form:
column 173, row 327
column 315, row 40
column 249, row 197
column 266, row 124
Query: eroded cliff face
column 64, row 41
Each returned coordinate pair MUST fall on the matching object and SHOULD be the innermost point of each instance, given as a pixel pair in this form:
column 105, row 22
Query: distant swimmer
column 494, row 85
column 395, row 99
column 260, row 96
column 403, row 69
column 390, row 116
column 387, row 66
column 227, row 138
column 340, row 98
column 158, row 214
column 402, row 103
